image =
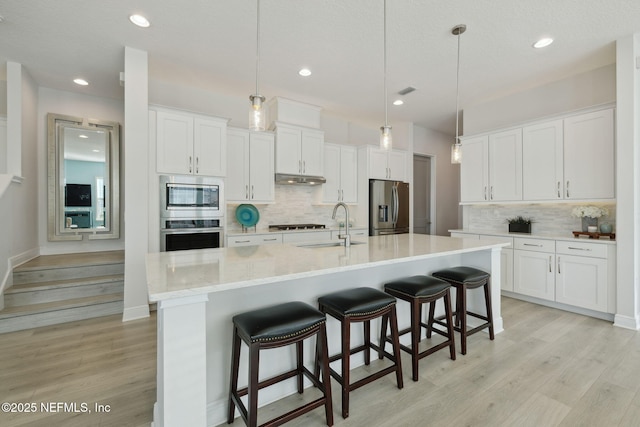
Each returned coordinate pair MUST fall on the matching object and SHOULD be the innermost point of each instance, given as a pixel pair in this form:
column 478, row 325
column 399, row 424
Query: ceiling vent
column 406, row 90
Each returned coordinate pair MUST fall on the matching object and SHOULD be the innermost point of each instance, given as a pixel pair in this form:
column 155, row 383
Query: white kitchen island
column 199, row 291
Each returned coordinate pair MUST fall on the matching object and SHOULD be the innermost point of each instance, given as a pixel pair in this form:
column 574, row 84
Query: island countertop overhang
column 181, row 274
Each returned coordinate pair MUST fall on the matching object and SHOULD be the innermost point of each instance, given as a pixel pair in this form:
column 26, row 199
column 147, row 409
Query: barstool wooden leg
column 450, row 330
column 462, row 313
column 252, row 389
column 432, row 312
column 396, row 345
column 383, row 337
column 299, row 365
column 367, row 342
column 346, row 356
column 323, row 351
column 235, row 367
column 415, row 336
column 487, row 298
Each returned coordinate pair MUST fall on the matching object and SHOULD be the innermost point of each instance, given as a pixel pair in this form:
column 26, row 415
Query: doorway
column 422, row 194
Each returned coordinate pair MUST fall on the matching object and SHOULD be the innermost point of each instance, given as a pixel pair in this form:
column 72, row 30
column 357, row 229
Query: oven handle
column 191, row 230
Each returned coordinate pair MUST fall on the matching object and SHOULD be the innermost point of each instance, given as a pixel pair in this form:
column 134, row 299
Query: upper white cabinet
column 341, row 173
column 386, row 164
column 491, row 168
column 542, row 168
column 567, row 159
column 190, row 144
column 589, row 161
column 250, row 168
column 299, row 150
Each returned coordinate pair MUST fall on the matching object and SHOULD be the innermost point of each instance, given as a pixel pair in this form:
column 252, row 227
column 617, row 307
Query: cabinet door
column 237, row 182
column 505, row 165
column 210, row 147
column 331, row 190
column 534, row 274
column 312, row 144
column 349, row 174
column 474, row 170
column 589, row 156
column 262, row 170
column 582, row 281
column 288, row 155
column 174, row 143
column 542, row 164
column 378, row 164
column 397, row 165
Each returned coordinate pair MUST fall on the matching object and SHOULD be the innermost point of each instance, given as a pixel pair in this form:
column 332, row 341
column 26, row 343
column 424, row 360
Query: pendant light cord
column 257, row 45
column 458, row 88
column 385, row 64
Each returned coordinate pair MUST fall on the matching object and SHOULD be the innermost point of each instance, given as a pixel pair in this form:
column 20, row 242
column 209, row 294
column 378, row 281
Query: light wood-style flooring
column 548, row 368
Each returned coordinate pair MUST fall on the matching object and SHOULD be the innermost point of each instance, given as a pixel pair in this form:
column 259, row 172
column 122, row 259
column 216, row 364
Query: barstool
column 362, row 305
column 418, row 290
column 271, row 327
column 464, row 278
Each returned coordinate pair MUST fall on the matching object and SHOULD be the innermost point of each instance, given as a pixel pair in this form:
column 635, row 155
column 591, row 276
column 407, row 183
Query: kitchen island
column 199, row 291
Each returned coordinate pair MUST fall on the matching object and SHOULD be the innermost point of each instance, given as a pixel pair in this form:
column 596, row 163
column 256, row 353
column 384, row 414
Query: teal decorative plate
column 247, row 215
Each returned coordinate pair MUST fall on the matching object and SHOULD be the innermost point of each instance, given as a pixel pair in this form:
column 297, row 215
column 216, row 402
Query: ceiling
column 211, row 44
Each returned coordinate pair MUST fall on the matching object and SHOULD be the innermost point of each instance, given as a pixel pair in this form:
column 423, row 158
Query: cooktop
column 280, row 227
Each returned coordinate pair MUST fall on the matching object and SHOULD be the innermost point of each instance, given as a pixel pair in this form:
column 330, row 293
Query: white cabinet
column 542, row 167
column 589, row 160
column 299, row 151
column 254, row 239
column 582, row 275
column 491, row 168
column 534, row 268
column 190, row 144
column 341, row 173
column 355, row 233
column 250, row 166
column 386, row 164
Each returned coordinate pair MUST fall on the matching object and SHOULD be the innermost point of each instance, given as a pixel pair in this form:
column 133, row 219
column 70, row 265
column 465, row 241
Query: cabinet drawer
column 594, row 250
column 538, row 245
column 255, row 239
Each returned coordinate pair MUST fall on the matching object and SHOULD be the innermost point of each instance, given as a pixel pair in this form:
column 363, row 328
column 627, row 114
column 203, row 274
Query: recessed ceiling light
column 83, row 136
column 139, row 20
column 544, row 42
column 305, row 72
column 81, row 82
column 398, row 102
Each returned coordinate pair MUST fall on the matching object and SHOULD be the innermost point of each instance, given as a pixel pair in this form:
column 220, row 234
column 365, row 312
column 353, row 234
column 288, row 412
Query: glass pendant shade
column 386, row 140
column 456, row 153
column 256, row 113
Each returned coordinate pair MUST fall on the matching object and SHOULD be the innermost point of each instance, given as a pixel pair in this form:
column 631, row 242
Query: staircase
column 54, row 289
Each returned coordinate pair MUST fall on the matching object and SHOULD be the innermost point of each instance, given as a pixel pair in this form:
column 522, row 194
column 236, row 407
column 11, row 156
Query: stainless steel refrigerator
column 388, row 207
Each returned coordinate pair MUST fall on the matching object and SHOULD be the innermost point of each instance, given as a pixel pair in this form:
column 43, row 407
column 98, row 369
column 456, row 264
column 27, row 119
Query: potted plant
column 589, row 215
column 520, row 224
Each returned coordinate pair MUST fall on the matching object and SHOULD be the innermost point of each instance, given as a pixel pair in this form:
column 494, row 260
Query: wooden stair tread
column 10, row 312
column 71, row 260
column 66, row 283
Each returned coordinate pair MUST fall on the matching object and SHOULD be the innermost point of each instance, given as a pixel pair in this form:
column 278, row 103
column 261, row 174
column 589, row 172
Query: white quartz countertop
column 568, row 237
column 186, row 273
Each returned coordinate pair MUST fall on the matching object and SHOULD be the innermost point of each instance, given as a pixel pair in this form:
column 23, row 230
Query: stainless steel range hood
column 283, row 178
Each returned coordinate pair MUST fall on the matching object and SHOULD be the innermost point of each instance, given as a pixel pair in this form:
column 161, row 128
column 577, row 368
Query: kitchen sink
column 327, row 244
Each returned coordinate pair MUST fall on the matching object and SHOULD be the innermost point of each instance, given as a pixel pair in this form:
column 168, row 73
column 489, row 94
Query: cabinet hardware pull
column 579, row 249
column 338, row 195
column 558, row 189
column 190, row 163
column 252, row 192
column 197, row 164
column 342, row 197
column 299, row 166
column 246, row 191
column 558, row 265
column 485, row 192
column 550, row 265
column 269, row 240
column 531, row 244
column 304, row 166
column 242, row 241
column 567, row 188
column 492, row 192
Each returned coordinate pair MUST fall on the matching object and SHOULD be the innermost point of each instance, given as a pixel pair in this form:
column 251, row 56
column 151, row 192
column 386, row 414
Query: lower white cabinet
column 533, row 274
column 254, row 239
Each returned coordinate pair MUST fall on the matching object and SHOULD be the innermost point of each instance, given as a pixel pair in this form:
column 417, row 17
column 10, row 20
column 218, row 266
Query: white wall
column 447, row 186
column 78, row 105
column 583, row 90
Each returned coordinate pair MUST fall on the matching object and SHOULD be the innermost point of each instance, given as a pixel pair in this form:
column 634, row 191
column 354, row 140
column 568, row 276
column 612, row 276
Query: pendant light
column 386, row 140
column 456, row 148
column 256, row 112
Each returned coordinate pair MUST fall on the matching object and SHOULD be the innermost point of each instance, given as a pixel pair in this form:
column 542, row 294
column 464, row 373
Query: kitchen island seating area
column 418, row 290
column 463, row 279
column 278, row 326
column 361, row 305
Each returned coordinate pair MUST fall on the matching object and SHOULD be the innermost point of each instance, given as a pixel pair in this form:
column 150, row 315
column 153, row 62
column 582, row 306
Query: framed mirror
column 83, row 178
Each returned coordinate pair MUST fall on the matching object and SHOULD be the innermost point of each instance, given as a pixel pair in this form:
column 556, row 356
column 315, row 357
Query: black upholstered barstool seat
column 362, row 305
column 463, row 278
column 418, row 290
column 271, row 327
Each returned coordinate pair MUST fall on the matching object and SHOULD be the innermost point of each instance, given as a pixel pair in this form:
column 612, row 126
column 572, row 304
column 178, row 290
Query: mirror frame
column 55, row 206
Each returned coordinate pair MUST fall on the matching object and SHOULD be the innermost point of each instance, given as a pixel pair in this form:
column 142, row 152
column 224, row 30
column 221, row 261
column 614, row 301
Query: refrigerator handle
column 396, row 202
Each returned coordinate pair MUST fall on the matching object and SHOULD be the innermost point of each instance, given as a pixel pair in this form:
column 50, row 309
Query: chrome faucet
column 346, row 237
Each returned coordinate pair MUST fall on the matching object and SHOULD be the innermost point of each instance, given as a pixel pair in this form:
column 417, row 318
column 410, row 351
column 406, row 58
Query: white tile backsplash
column 295, row 204
column 555, row 219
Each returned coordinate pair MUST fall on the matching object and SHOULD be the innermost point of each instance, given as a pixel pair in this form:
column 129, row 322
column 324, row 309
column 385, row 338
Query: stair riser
column 45, row 275
column 20, row 323
column 61, row 294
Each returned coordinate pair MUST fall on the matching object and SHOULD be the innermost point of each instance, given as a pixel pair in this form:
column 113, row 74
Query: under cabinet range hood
column 284, row 178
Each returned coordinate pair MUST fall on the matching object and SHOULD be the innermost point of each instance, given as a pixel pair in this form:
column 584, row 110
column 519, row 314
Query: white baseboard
column 135, row 313
column 626, row 322
column 13, row 262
